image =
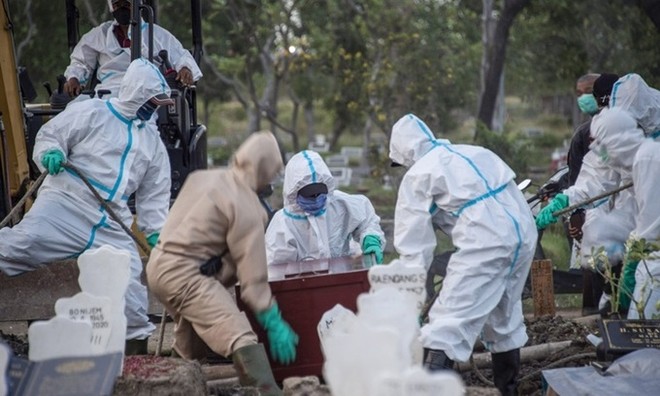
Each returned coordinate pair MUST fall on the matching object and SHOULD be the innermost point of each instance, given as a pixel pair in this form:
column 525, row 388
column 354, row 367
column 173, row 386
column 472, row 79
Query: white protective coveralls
column 471, row 195
column 294, row 235
column 99, row 48
column 608, row 221
column 619, row 139
column 217, row 211
column 610, row 225
column 120, row 155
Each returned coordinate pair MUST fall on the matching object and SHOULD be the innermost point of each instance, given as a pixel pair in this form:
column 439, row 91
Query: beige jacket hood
column 218, row 210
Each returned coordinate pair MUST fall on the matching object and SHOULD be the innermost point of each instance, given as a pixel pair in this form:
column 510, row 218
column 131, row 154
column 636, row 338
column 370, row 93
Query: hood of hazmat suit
column 616, row 139
column 295, row 235
column 218, row 211
column 631, row 93
column 451, row 184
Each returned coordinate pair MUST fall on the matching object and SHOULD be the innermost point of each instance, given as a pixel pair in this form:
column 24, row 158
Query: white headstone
column 352, row 152
column 105, row 272
column 5, row 355
column 417, row 381
column 354, row 361
column 95, row 310
column 408, row 278
column 342, row 176
column 394, row 309
column 338, row 320
column 337, row 161
column 59, row 337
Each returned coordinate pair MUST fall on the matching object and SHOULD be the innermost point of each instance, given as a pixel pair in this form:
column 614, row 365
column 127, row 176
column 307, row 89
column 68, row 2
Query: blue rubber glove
column 52, row 160
column 153, row 239
column 627, row 284
column 283, row 340
column 545, row 217
column 371, row 245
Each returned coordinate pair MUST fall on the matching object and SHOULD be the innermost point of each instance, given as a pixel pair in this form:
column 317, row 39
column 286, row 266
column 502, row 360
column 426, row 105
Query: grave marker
column 337, row 320
column 621, row 336
column 342, row 176
column 97, row 311
column 5, row 356
column 105, row 272
column 59, row 337
column 352, row 152
column 409, row 278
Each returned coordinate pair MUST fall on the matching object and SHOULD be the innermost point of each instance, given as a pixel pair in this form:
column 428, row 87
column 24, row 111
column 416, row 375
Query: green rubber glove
column 153, row 239
column 52, row 160
column 627, row 284
column 371, row 245
column 545, row 217
column 283, row 340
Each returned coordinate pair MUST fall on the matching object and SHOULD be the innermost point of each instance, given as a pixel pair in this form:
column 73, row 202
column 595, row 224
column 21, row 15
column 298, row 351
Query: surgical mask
column 122, row 15
column 145, row 112
column 587, row 104
column 313, row 206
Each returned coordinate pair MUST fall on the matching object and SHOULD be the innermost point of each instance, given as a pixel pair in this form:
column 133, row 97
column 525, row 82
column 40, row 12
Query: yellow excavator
column 184, row 138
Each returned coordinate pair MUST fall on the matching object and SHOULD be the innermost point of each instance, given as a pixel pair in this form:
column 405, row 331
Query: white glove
column 604, row 299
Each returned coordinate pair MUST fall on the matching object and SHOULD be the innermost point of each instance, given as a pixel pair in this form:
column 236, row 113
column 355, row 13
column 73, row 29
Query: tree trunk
column 496, row 55
column 308, row 110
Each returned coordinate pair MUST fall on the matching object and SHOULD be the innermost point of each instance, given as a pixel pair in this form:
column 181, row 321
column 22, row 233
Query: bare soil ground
column 540, row 331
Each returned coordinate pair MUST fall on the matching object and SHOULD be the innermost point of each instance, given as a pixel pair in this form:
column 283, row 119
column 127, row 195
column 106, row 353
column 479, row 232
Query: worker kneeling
column 213, row 237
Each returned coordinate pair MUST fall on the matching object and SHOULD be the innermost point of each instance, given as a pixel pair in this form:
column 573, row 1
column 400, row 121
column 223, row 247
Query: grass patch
column 556, row 246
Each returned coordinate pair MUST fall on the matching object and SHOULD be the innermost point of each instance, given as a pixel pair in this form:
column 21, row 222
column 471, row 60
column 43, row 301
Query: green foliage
column 556, row 41
column 547, row 141
column 637, row 250
column 515, row 152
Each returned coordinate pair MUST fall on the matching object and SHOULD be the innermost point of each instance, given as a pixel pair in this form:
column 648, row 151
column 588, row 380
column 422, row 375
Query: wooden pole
column 543, row 293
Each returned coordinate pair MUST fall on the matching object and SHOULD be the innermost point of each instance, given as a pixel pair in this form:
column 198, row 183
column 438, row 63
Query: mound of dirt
column 18, row 344
column 540, row 331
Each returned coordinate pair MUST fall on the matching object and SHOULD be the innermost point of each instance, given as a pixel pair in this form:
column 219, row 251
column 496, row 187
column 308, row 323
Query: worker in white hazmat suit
column 107, row 47
column 471, row 195
column 110, row 143
column 318, row 221
column 641, row 102
column 622, row 144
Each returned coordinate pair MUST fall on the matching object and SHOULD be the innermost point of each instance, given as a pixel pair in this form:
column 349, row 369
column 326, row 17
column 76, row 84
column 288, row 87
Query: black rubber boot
column 506, row 366
column 437, row 360
column 136, row 347
column 253, row 369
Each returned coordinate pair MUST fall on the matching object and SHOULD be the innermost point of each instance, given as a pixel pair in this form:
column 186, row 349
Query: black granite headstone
column 621, row 336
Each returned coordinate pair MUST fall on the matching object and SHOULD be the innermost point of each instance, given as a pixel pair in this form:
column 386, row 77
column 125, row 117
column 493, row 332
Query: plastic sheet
column 633, row 374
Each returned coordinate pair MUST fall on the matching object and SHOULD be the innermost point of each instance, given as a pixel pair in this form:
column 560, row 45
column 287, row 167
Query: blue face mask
column 587, row 104
column 313, row 206
column 146, row 111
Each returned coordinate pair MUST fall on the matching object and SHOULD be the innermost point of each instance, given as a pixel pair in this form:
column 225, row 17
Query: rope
column 478, row 373
column 107, row 208
column 20, row 203
column 145, row 249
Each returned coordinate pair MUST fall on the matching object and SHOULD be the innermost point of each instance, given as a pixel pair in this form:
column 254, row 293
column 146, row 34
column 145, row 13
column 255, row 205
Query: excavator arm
column 14, row 165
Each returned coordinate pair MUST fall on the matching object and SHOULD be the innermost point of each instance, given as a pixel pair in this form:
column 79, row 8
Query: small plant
column 637, row 251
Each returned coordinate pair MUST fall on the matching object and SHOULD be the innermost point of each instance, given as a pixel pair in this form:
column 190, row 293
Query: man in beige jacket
column 214, row 237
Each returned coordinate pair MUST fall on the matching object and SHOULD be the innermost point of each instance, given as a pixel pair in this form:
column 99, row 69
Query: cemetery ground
column 221, row 378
